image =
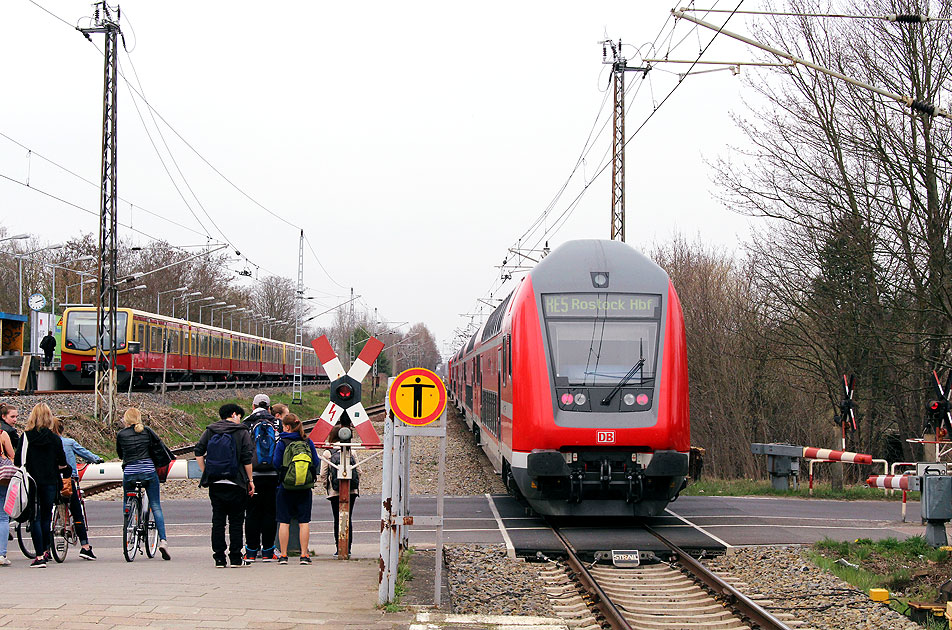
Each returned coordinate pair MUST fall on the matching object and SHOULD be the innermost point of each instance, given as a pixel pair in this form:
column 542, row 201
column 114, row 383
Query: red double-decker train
column 194, row 352
column 577, row 384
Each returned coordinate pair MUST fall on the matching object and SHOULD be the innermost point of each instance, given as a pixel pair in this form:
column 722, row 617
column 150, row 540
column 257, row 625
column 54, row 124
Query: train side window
column 139, row 334
column 155, row 342
column 509, row 366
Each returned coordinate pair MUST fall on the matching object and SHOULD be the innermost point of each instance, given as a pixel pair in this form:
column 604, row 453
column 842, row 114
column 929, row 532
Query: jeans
column 4, row 522
column 228, row 502
column 335, row 508
column 41, row 529
column 150, row 481
column 261, row 523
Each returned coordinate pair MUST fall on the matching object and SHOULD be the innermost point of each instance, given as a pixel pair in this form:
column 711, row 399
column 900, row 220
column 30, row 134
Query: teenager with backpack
column 260, row 523
column 328, row 479
column 72, row 448
column 297, row 460
column 224, row 454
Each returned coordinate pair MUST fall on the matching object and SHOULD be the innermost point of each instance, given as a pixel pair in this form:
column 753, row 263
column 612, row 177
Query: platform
column 189, row 592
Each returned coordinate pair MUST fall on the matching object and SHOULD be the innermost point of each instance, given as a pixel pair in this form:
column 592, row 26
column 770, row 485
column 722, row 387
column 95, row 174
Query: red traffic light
column 345, row 391
column 934, row 405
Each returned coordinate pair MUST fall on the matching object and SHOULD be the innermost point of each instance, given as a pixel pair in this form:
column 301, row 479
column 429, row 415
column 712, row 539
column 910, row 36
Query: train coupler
column 636, row 486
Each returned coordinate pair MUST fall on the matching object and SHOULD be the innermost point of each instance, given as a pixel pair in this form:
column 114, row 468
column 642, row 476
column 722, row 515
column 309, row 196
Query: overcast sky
column 413, row 142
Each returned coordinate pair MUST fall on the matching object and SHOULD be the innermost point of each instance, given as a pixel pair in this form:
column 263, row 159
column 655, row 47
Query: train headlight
column 567, row 398
column 642, row 399
column 580, row 399
column 629, row 399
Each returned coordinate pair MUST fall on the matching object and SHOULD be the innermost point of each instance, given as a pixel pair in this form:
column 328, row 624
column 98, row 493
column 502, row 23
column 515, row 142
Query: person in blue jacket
column 72, row 448
column 294, row 503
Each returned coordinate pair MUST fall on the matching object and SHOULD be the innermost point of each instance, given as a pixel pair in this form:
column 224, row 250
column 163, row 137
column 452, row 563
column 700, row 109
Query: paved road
column 692, row 522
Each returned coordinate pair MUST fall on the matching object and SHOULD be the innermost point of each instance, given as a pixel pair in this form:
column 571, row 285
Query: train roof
column 185, row 322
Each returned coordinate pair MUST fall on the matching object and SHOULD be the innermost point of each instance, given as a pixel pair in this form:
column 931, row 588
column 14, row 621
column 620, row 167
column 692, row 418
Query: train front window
column 80, row 331
column 596, row 339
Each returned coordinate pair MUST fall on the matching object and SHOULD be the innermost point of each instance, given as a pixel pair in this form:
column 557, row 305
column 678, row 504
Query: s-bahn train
column 196, row 352
column 577, row 384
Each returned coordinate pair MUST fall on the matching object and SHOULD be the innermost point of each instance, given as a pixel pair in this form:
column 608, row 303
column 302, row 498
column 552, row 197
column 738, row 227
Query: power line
column 94, row 184
column 40, row 6
column 907, row 18
column 320, row 264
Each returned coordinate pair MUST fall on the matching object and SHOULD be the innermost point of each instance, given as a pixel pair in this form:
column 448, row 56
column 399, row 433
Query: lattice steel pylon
column 108, row 302
column 297, row 388
column 619, row 67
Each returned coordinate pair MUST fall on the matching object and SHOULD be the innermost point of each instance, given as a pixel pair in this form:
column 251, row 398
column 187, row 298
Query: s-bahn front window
column 598, row 338
column 81, row 331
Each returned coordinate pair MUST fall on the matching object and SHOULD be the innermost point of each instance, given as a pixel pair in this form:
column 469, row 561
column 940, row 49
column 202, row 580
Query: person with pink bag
column 7, row 470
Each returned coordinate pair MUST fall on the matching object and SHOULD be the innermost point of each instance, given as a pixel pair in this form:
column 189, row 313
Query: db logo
column 605, row 437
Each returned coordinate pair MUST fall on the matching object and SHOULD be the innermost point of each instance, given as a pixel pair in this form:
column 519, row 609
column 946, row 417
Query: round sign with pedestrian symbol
column 417, row 396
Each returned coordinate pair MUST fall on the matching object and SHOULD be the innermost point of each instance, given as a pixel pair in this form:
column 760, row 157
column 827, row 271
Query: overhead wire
column 97, row 185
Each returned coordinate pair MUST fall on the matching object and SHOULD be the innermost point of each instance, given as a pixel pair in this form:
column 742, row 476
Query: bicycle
column 63, row 532
column 138, row 524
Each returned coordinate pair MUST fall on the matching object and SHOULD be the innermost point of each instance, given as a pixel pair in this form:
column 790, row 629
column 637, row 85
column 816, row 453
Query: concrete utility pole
column 619, row 67
column 297, row 387
column 108, row 302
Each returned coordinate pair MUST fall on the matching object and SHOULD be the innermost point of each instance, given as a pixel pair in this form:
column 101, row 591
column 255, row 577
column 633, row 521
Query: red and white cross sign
column 335, row 370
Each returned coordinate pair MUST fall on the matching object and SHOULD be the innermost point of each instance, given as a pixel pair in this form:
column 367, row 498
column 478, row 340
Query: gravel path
column 786, row 576
column 482, row 580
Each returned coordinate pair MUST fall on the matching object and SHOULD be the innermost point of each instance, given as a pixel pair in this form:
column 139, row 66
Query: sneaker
column 38, row 563
column 267, row 555
column 47, row 556
column 282, row 559
column 250, row 555
column 87, row 553
column 305, row 559
column 164, row 549
column 4, row 562
column 220, row 564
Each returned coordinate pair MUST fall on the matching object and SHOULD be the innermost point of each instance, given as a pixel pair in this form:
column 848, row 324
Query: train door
column 478, row 387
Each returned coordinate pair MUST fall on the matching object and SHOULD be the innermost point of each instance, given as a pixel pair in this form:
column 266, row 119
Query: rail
column 748, row 608
column 612, row 616
column 93, row 489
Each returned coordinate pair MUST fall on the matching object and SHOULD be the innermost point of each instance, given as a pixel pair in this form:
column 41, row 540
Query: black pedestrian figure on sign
column 418, row 396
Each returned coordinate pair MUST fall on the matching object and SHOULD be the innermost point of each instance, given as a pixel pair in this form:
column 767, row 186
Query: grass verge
column 911, row 570
column 404, row 575
column 753, row 487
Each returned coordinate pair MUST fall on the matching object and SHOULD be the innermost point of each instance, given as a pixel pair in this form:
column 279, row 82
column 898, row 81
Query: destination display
column 601, row 305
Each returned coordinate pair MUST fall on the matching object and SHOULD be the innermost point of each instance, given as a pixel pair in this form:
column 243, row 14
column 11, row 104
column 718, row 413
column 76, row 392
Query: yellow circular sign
column 417, row 396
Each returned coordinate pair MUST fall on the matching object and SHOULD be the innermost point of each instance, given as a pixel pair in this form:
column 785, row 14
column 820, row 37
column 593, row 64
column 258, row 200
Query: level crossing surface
column 703, row 522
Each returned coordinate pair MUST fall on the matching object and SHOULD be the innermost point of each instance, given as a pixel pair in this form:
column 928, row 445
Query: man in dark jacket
column 260, row 523
column 224, row 454
column 48, row 344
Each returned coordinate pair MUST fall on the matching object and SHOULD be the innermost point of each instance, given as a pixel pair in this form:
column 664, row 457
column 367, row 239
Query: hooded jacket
column 242, row 438
column 45, row 459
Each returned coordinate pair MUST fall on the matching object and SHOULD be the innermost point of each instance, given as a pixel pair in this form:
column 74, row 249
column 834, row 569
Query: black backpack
column 355, row 474
column 221, row 457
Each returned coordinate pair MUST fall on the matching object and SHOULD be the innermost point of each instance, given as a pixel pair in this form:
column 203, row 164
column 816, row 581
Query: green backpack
column 298, row 465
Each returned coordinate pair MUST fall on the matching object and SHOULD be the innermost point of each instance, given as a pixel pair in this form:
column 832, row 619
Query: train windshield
column 596, row 339
column 81, row 331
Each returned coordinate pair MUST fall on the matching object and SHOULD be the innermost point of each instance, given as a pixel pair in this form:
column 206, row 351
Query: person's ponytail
column 293, row 424
column 133, row 418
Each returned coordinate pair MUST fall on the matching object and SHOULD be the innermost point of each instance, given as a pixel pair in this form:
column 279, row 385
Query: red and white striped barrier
column 894, row 482
column 810, row 452
column 112, row 471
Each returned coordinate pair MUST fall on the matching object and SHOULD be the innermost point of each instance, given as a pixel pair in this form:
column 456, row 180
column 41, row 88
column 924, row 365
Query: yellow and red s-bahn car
column 195, row 352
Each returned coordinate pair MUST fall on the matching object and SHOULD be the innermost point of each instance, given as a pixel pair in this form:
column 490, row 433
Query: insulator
column 908, row 18
column 924, row 108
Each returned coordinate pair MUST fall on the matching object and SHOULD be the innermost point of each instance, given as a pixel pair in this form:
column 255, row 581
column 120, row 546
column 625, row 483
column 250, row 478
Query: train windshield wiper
column 624, row 381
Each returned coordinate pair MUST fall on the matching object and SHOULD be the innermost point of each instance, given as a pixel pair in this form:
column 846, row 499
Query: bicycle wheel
column 151, row 535
column 130, row 529
column 25, row 540
column 61, row 525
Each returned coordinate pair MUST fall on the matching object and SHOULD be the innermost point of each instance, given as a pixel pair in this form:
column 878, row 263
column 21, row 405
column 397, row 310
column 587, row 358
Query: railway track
column 93, row 489
column 680, row 594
